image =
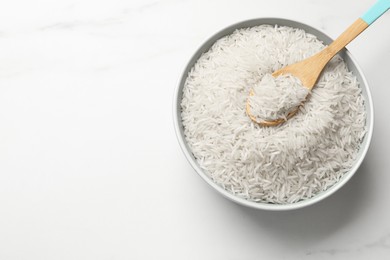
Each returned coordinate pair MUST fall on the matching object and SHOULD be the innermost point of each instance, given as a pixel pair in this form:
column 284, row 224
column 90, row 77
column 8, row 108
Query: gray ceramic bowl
column 353, row 66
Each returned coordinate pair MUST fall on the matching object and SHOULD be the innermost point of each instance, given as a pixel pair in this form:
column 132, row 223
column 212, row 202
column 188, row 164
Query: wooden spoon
column 309, row 70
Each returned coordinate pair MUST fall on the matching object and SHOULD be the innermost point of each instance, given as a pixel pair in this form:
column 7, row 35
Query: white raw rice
column 275, row 97
column 284, row 164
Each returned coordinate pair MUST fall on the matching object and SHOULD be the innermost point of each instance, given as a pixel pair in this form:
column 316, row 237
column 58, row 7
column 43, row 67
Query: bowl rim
column 258, row 205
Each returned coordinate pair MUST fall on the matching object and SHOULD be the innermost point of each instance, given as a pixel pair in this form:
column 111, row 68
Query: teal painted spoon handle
column 380, row 7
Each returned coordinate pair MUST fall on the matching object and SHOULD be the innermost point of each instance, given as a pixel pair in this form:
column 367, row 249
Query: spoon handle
column 379, row 8
column 346, row 37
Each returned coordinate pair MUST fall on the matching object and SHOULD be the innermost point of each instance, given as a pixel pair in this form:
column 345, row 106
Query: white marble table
column 89, row 163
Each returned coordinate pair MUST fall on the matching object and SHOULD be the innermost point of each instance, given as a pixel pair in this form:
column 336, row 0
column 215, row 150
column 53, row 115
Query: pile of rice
column 284, row 164
column 275, row 97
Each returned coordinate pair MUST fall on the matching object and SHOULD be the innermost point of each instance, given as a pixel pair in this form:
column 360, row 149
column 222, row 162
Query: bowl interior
column 352, row 65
